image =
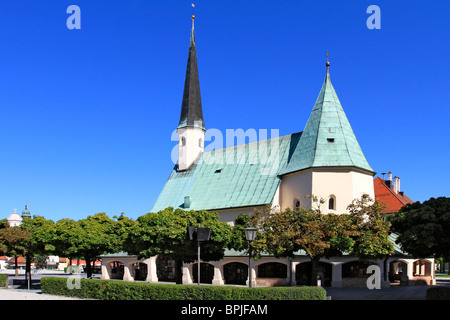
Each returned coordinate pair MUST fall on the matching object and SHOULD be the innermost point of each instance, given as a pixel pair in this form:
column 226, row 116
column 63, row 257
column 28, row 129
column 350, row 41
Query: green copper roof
column 26, row 212
column 240, row 176
column 328, row 139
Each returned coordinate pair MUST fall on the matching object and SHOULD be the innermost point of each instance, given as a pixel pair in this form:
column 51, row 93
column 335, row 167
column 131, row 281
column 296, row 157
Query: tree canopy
column 362, row 232
column 423, row 229
column 165, row 233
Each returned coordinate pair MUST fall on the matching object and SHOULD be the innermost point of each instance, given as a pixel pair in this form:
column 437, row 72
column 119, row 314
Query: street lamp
column 250, row 235
column 201, row 234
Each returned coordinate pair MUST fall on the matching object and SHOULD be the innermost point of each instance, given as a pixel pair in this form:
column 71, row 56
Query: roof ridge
column 252, row 142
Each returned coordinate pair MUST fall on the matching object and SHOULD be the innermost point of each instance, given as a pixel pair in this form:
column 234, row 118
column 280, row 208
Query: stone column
column 152, row 275
column 187, row 278
column 336, row 278
column 106, row 271
column 218, row 279
column 293, row 273
column 127, row 272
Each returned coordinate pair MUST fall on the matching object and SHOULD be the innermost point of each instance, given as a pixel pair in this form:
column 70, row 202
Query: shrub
column 438, row 293
column 120, row 290
column 3, row 280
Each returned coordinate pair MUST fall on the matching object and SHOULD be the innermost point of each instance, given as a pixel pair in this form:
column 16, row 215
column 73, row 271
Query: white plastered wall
column 192, row 147
column 344, row 184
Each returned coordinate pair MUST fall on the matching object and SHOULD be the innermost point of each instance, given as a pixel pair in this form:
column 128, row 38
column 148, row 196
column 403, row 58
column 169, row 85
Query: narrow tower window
column 200, row 143
column 332, row 203
column 296, row 204
column 183, row 141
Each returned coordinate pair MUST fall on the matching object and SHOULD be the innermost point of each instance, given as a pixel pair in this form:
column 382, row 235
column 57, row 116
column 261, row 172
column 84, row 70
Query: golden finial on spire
column 193, row 8
column 328, row 62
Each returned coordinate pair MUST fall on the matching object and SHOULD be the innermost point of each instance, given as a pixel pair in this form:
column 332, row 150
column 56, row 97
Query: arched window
column 296, row 203
column 183, row 141
column 332, row 203
column 200, row 143
column 272, row 270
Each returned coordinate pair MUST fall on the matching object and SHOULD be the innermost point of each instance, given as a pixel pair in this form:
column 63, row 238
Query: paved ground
column 392, row 293
column 20, row 294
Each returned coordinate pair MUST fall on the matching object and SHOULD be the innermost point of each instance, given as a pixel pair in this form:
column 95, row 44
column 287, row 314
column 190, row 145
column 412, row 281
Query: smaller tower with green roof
column 26, row 213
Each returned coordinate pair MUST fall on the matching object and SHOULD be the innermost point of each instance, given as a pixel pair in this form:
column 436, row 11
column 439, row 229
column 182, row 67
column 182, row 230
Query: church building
column 324, row 160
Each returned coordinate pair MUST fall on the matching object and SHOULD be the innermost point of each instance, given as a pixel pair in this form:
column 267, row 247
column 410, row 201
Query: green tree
column 319, row 235
column 373, row 229
column 423, row 229
column 98, row 237
column 87, row 238
column 33, row 237
column 165, row 233
column 121, row 229
column 68, row 238
column 42, row 234
column 362, row 232
column 14, row 241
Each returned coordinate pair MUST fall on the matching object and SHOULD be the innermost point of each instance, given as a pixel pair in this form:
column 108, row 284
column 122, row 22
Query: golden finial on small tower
column 193, row 8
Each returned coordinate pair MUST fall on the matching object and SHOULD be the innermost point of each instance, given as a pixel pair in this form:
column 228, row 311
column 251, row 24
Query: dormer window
column 330, row 140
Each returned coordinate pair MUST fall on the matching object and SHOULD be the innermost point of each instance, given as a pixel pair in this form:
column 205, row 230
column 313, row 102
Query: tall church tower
column 191, row 129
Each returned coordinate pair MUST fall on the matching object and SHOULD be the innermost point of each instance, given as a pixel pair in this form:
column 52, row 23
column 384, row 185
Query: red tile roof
column 393, row 201
column 19, row 260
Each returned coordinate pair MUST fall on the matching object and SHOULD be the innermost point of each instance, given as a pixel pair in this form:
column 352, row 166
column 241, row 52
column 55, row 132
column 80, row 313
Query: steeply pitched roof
column 191, row 107
column 393, row 201
column 240, row 176
column 215, row 182
column 328, row 139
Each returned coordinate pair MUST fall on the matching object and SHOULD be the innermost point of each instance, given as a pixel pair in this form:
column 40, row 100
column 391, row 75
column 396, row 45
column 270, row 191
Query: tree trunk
column 69, row 265
column 28, row 271
column 447, row 259
column 88, row 267
column 15, row 266
column 314, row 271
column 178, row 271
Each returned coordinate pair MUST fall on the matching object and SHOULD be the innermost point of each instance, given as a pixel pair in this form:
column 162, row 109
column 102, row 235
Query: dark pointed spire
column 191, row 107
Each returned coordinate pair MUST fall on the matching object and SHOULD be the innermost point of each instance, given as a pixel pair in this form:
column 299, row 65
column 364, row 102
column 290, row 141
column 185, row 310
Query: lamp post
column 250, row 235
column 200, row 234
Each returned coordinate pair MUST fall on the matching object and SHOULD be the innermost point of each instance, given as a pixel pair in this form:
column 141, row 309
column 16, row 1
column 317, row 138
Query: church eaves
column 328, row 139
column 191, row 107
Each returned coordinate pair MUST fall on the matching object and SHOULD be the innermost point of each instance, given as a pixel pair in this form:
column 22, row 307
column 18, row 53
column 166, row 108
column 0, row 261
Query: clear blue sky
column 86, row 116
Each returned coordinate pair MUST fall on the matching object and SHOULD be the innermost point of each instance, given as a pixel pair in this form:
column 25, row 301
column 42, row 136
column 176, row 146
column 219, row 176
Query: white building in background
column 14, row 219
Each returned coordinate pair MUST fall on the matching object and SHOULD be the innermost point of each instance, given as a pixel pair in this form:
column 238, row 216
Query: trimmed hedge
column 438, row 293
column 121, row 290
column 3, row 280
